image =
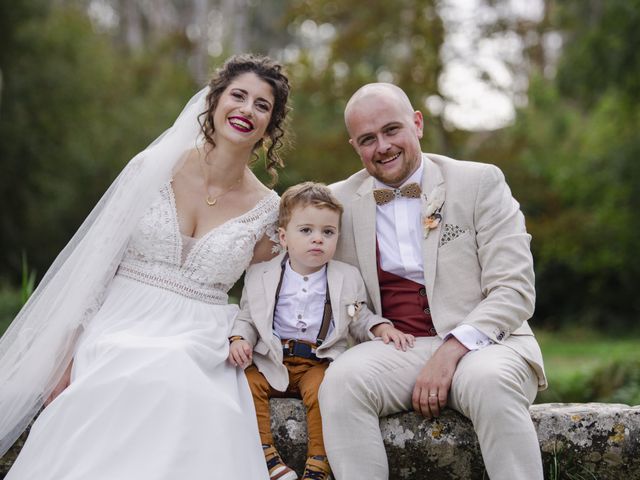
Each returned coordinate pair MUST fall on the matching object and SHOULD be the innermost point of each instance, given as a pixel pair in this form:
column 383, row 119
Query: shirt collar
column 312, row 278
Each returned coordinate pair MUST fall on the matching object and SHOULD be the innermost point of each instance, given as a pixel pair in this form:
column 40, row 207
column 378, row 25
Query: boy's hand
column 389, row 333
column 240, row 353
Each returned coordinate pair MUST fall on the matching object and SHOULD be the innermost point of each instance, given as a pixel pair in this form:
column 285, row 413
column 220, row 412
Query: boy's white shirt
column 254, row 322
column 300, row 306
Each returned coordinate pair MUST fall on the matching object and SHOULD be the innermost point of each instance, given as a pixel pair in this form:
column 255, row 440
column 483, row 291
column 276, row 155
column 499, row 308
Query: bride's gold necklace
column 210, row 199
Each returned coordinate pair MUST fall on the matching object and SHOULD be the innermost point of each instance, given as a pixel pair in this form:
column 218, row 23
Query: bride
column 125, row 339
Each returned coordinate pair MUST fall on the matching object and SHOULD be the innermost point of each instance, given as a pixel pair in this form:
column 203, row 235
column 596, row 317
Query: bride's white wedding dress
column 152, row 396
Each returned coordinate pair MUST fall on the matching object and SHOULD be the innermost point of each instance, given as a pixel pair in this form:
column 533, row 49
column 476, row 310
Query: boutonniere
column 354, row 308
column 432, row 210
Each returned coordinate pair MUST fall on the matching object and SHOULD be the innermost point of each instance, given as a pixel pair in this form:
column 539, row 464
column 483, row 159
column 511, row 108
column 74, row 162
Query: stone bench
column 574, row 438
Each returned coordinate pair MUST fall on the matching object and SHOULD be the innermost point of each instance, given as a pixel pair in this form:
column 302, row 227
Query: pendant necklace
column 211, row 200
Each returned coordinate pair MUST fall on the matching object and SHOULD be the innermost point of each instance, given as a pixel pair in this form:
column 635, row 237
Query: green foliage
column 28, row 280
column 572, row 159
column 359, row 48
column 563, row 466
column 74, row 110
column 617, row 382
column 601, row 53
column 12, row 299
column 584, row 208
column 585, row 366
column 10, row 304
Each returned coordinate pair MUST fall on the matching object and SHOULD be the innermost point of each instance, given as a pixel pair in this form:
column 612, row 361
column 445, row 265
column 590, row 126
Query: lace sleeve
column 269, row 224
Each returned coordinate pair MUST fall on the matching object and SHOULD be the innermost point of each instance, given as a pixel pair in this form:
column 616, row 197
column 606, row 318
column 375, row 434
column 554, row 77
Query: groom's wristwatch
column 235, row 337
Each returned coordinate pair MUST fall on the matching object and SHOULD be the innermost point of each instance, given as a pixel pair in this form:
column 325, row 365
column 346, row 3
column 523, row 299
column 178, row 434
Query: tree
column 338, row 47
column 574, row 148
column 75, row 109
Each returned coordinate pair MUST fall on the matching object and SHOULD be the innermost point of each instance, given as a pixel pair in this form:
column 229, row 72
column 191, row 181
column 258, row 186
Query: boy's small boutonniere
column 431, row 210
column 353, row 309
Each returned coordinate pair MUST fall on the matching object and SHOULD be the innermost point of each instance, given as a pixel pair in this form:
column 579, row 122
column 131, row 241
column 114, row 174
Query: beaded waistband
column 180, row 286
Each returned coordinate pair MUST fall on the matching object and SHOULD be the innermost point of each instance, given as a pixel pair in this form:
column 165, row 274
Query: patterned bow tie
column 385, row 195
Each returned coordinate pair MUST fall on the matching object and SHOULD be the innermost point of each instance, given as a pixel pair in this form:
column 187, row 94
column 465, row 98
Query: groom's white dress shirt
column 399, row 234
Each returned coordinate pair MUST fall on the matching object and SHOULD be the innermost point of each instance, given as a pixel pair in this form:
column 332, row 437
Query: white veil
column 38, row 345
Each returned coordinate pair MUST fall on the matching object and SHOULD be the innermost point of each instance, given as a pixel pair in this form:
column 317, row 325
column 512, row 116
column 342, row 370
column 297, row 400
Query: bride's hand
column 62, row 384
column 240, row 353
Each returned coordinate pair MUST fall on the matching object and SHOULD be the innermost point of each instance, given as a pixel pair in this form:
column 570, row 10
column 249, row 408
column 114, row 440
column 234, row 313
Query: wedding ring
column 433, row 395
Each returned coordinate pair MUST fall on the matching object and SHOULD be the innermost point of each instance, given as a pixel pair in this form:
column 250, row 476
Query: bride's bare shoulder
column 256, row 189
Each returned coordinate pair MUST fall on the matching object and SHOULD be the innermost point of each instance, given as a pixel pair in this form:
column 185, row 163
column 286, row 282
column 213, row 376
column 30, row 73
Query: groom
column 445, row 255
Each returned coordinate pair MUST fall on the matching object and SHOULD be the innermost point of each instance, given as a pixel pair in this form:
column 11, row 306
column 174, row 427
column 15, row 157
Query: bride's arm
column 62, row 384
column 65, row 380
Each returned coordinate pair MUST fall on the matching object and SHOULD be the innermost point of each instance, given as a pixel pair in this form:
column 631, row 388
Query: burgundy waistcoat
column 405, row 303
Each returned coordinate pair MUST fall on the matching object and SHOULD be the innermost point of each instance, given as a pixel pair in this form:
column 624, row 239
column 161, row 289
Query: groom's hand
column 240, row 353
column 434, row 380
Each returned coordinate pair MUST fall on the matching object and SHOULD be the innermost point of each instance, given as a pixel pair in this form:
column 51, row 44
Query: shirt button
column 427, row 311
column 432, row 331
column 304, row 290
column 423, row 292
column 304, row 329
column 299, row 317
column 306, row 279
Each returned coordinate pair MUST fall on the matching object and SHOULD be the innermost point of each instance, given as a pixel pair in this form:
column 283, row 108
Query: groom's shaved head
column 385, row 132
column 371, row 91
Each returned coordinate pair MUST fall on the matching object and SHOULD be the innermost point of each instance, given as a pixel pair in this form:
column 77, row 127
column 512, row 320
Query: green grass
column 574, row 349
column 585, row 366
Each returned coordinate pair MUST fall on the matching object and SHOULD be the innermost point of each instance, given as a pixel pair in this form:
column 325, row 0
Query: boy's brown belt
column 299, row 348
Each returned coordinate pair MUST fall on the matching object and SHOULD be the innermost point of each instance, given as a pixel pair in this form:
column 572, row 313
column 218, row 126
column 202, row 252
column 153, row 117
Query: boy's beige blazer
column 478, row 268
column 255, row 320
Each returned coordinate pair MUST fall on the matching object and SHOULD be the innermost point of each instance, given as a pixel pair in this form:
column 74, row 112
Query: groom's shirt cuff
column 470, row 337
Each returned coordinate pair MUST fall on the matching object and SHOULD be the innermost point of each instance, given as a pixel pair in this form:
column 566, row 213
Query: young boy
column 297, row 312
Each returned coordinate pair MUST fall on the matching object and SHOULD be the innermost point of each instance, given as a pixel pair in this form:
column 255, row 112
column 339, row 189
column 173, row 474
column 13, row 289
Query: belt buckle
column 288, row 346
column 301, row 349
column 296, row 348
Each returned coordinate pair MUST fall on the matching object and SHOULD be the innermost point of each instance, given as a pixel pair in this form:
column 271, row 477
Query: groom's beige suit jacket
column 478, row 268
column 255, row 320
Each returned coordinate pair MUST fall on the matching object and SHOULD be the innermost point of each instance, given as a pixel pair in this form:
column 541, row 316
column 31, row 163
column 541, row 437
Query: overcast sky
column 473, row 103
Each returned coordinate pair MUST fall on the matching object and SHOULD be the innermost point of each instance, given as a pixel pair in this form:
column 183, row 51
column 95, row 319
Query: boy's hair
column 303, row 195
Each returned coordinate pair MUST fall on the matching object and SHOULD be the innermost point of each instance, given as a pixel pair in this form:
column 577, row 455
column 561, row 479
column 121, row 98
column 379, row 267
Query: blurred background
column 549, row 90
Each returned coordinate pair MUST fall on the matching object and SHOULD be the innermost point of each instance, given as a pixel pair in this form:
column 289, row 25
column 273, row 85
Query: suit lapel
column 270, row 280
column 364, row 232
column 431, row 179
column 335, row 279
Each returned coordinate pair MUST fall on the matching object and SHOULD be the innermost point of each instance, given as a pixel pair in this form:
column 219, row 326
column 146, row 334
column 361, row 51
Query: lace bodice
column 214, row 262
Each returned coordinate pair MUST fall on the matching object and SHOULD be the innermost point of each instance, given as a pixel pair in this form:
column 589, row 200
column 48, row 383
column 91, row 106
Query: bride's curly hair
column 272, row 73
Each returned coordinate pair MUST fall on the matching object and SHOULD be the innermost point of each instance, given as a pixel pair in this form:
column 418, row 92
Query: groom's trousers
column 493, row 386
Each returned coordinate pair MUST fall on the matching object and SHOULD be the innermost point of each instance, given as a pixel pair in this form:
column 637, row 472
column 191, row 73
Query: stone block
column 595, row 441
column 591, row 441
